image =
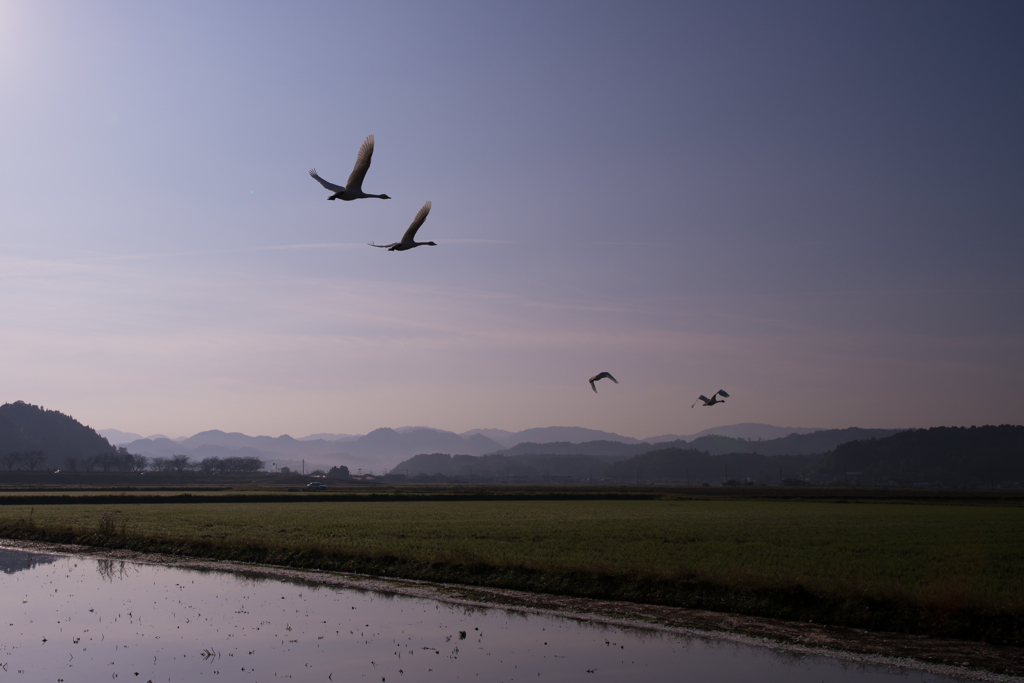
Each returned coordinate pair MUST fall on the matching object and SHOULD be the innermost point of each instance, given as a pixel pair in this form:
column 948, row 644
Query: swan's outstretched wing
column 330, row 186
column 355, row 181
column 383, row 246
column 609, row 376
column 722, row 393
column 592, row 385
column 410, row 234
column 702, row 398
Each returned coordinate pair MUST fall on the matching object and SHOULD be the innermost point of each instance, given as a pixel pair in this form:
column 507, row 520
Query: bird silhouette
column 714, row 398
column 353, row 189
column 599, row 376
column 408, row 239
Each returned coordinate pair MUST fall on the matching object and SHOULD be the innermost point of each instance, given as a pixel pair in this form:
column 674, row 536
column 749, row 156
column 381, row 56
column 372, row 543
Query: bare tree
column 180, row 463
column 158, row 464
column 211, row 465
column 138, row 462
column 11, row 461
column 34, row 459
column 105, row 461
column 129, row 462
column 241, row 464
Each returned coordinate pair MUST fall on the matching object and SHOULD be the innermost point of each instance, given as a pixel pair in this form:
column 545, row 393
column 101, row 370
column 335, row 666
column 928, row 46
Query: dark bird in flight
column 410, row 234
column 714, row 398
column 354, row 187
column 599, row 376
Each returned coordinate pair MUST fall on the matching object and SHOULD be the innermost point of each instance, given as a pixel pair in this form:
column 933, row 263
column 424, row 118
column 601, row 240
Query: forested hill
column 794, row 444
column 954, row 456
column 941, row 456
column 25, row 428
column 598, row 448
column 693, row 467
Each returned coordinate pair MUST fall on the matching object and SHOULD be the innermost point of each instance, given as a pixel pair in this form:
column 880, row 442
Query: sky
column 817, row 207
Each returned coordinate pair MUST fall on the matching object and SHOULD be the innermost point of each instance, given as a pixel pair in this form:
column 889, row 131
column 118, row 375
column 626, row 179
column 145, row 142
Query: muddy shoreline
column 962, row 659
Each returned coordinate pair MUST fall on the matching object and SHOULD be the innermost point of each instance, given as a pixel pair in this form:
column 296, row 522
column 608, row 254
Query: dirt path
column 957, row 658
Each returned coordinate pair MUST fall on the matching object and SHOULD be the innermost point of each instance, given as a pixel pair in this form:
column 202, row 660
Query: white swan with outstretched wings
column 354, row 188
column 409, row 238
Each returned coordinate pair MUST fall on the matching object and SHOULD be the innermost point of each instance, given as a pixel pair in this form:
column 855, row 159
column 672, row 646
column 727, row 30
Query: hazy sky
column 816, row 206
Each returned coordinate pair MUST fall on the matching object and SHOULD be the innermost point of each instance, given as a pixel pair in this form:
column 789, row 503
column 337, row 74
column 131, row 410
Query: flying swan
column 408, row 239
column 714, row 398
column 599, row 376
column 354, row 187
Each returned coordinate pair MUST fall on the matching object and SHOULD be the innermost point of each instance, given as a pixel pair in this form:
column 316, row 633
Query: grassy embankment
column 953, row 570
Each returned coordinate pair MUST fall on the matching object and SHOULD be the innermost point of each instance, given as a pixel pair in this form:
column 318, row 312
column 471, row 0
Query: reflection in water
column 109, row 570
column 80, row 619
column 18, row 560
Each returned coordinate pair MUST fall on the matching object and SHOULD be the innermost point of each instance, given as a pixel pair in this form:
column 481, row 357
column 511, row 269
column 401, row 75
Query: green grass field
column 921, row 567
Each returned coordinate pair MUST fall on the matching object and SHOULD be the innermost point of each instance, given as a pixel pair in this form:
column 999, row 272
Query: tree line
column 122, row 461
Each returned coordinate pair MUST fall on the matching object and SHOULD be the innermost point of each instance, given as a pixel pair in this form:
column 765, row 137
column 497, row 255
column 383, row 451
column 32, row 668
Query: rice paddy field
column 929, row 568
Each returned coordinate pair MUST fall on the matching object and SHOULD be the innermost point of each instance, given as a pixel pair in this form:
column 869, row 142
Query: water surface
column 71, row 618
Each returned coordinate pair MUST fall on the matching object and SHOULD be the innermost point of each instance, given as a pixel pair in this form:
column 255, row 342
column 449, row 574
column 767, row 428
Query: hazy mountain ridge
column 742, row 430
column 327, row 436
column 118, row 438
column 946, row 456
column 503, row 468
column 941, row 456
column 593, row 459
column 794, row 444
column 284, row 446
column 382, row 448
column 385, row 443
column 374, row 451
column 508, row 439
column 602, row 448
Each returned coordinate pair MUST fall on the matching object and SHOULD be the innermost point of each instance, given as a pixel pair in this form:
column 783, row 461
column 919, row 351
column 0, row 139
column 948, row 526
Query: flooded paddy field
column 80, row 618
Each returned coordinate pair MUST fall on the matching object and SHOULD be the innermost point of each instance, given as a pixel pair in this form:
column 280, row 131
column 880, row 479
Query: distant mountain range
column 383, row 448
column 507, row 439
column 596, row 456
column 983, row 457
column 946, row 456
column 745, row 430
column 119, row 438
column 282, row 451
column 371, row 452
